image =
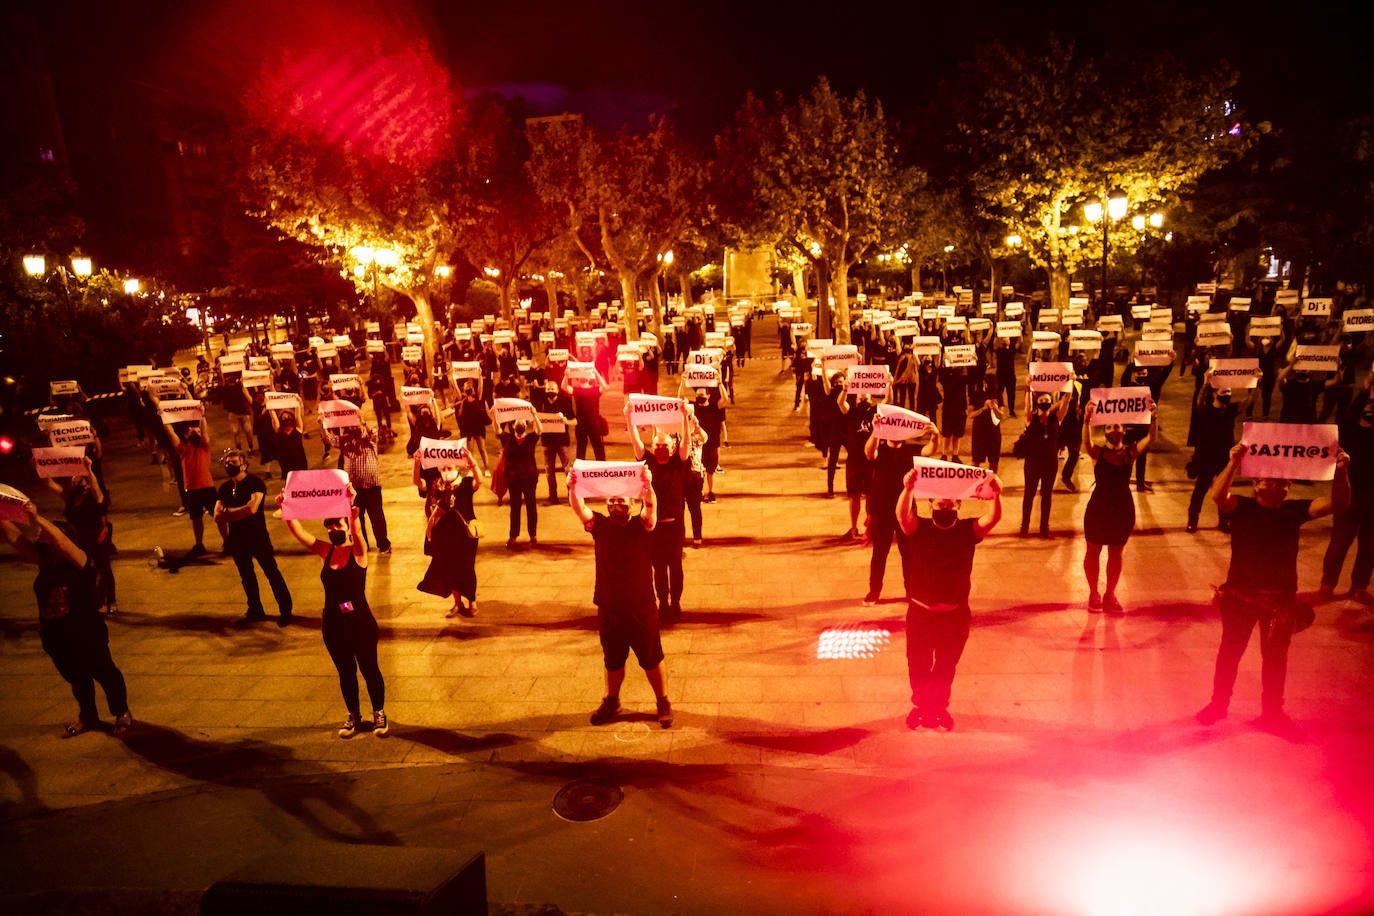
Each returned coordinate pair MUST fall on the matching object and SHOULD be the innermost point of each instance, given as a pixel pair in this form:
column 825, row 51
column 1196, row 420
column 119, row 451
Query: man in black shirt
column 668, row 464
column 240, row 506
column 1214, row 435
column 890, row 461
column 624, row 595
column 1356, row 523
column 939, row 577
column 1262, row 583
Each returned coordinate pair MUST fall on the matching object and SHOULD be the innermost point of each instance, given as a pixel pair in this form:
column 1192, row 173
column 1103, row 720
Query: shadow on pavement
column 455, row 743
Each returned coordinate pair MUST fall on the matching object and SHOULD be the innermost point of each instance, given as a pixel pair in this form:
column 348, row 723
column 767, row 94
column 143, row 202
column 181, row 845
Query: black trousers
column 522, row 494
column 369, row 503
column 244, row 555
column 1354, row 525
column 351, row 640
column 668, row 538
column 1039, row 475
column 881, row 531
column 691, row 494
column 1238, row 620
column 934, row 643
column 83, row 659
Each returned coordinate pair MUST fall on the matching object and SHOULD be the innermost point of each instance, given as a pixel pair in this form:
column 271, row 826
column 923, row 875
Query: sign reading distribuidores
column 13, row 505
column 1121, row 405
column 608, row 478
column 1050, row 377
column 183, row 411
column 948, row 480
column 700, row 377
column 898, row 424
column 316, row 494
column 72, row 432
column 654, row 410
column 1292, row 451
column 1235, row 373
column 65, row 461
column 870, row 380
column 509, row 410
column 444, row 453
column 338, row 414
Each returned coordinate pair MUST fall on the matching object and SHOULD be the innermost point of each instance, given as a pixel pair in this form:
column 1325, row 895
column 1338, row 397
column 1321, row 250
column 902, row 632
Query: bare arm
column 579, row 505
column 984, row 525
column 648, row 515
column 1340, row 490
column 684, row 443
column 1144, row 444
column 906, row 505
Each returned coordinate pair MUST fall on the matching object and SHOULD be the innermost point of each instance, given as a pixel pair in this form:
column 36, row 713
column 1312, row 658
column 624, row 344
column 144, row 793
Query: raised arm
column 988, row 520
column 648, row 514
column 906, row 504
column 1340, row 490
column 1144, row 444
column 1221, row 489
column 1093, row 450
column 579, row 505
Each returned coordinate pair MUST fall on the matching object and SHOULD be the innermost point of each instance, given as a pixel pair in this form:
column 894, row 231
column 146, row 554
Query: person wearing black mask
column 711, row 416
column 1215, row 433
column 624, row 594
column 240, row 506
column 192, row 449
column 939, row 580
column 518, row 447
column 349, row 629
column 70, row 627
column 1040, row 448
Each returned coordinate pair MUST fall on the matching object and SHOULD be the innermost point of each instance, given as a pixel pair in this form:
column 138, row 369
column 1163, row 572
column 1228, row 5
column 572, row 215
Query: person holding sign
column 1039, row 447
column 890, row 459
column 522, row 476
column 1110, row 516
column 989, row 411
column 1356, row 523
column 939, row 580
column 1215, row 433
column 70, row 627
column 624, row 593
column 87, row 509
column 240, row 507
column 192, row 449
column 668, row 461
column 451, row 535
column 347, row 624
column 473, row 418
column 1262, row 583
column 1300, row 390
column 711, row 418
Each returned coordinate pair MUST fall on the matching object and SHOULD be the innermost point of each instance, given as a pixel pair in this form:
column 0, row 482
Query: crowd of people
column 558, row 377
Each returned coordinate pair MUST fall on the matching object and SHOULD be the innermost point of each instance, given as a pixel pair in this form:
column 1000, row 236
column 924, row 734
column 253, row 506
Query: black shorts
column 622, row 631
column 857, row 474
column 202, row 501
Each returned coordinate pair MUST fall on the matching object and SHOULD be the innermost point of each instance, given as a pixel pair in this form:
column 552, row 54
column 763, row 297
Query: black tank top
column 345, row 590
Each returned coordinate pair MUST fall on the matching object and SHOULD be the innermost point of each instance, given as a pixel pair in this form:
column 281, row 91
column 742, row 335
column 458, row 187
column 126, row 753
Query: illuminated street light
column 1092, row 210
column 35, row 265
column 1116, row 205
column 492, row 272
column 667, row 257
column 1138, row 222
column 131, row 286
column 386, row 257
column 443, row 271
column 1013, row 240
column 949, row 249
column 1156, row 220
column 81, row 265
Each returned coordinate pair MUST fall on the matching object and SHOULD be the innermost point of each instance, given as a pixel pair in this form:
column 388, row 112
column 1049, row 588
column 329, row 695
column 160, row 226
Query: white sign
column 12, row 505
column 1071, row 317
column 961, row 355
column 1110, row 323
column 180, row 411
column 1266, row 326
column 1120, row 405
column 869, row 380
column 412, row 353
column 1309, row 358
column 1286, row 297
column 283, row 351
column 72, row 432
column 979, row 324
column 1050, row 377
column 326, row 350
column 60, row 462
column 1358, row 321
column 835, row 358
column 316, row 494
column 581, row 375
column 337, row 414
column 1164, row 314
column 897, row 423
column 1014, row 309
column 1048, row 317
column 948, row 480
column 607, row 478
column 653, row 410
column 415, row 396
column 344, row 381
column 1292, row 451
column 508, row 410
column 1235, row 373
column 375, row 345
column 257, row 378
column 707, row 356
column 1140, row 312
column 63, row 388
column 926, row 346
column 1089, row 341
column 1239, row 304
column 444, row 453
column 1154, row 353
column 700, row 376
column 1045, row 340
column 553, row 424
column 801, row 329
column 1213, row 335
column 282, row 400
column 465, row 370
column 1009, row 329
column 231, row 363
column 1316, row 308
column 163, row 386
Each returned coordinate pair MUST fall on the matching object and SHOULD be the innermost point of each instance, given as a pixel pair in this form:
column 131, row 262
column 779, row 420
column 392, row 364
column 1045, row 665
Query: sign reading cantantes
column 897, row 423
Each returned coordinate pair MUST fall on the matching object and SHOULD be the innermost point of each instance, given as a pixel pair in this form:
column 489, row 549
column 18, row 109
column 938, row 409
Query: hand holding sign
column 607, row 478
column 932, row 479
column 14, row 506
column 1290, row 451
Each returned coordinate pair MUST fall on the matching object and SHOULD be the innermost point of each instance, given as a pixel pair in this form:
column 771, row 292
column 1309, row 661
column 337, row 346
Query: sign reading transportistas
column 1292, row 451
column 898, row 424
column 1121, row 405
column 949, row 480
column 64, row 461
column 316, row 494
column 607, row 478
column 509, row 410
column 655, row 410
column 444, row 453
column 1050, row 377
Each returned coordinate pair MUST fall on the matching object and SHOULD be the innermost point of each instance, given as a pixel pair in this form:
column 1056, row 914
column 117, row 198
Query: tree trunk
column 840, row 318
column 629, row 307
column 1059, row 288
column 915, row 279
column 799, row 288
column 551, row 291
column 424, row 314
column 506, row 285
column 822, row 299
column 684, row 280
column 656, row 303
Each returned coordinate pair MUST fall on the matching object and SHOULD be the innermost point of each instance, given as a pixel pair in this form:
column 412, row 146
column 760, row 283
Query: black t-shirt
column 1215, row 430
column 521, row 464
column 942, row 562
column 858, row 427
column 890, row 464
column 1358, row 441
column 670, row 483
column 624, row 564
column 252, row 528
column 66, row 593
column 1264, row 544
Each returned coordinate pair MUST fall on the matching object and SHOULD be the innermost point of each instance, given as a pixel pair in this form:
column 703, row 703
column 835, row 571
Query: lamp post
column 1115, row 210
column 36, row 266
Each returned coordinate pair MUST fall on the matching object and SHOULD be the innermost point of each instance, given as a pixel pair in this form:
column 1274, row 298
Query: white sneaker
column 350, row 727
column 380, row 727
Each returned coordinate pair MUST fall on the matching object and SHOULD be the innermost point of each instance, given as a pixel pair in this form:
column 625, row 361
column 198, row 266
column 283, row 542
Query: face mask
column 1042, row 407
column 233, row 469
column 193, row 438
column 338, row 537
column 944, row 517
column 661, row 452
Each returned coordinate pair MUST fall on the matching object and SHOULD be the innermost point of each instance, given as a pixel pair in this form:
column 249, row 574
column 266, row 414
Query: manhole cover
column 586, row 801
column 632, row 731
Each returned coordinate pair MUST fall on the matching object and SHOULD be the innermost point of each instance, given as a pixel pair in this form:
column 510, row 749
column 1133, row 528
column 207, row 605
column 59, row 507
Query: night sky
column 697, row 59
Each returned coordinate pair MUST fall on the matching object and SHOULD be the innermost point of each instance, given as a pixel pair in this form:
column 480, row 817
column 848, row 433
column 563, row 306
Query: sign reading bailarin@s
column 1293, row 451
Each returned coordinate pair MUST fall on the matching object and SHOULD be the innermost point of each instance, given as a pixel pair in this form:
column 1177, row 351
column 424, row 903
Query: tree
column 820, row 178
column 1034, row 136
column 628, row 197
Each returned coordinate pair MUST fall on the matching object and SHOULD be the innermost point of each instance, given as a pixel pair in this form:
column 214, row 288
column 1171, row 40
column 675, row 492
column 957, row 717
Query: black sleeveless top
column 344, row 588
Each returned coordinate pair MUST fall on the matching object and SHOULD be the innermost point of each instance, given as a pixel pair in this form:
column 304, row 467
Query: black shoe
column 939, row 718
column 284, row 620
column 913, row 719
column 1070, row 486
column 247, row 620
column 665, row 713
column 1211, row 714
column 871, row 599
column 196, row 551
column 1192, row 527
column 1144, row 488
column 609, row 708
column 1276, row 722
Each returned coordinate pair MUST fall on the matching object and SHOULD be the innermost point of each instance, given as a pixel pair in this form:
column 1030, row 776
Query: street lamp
column 1093, row 211
column 36, row 266
column 132, row 286
column 1138, row 223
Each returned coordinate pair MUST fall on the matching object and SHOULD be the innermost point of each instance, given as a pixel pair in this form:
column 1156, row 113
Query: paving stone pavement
column 1075, row 781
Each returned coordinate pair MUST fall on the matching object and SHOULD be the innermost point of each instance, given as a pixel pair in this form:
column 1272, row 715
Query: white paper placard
column 465, row 370
column 1358, row 321
column 415, row 395
column 840, row 356
column 1291, row 451
column 231, row 363
column 654, row 410
column 412, row 353
column 66, row 461
column 345, row 381
column 338, row 414
column 181, row 411
column 13, row 504
column 1319, row 307
column 1265, row 326
column 1050, row 377
column 1009, row 329
column 899, row 424
column 1235, row 373
column 257, row 378
column 948, row 480
column 961, row 355
column 71, row 433
column 1238, row 304
column 282, row 400
column 696, row 376
column 1108, row 324
column 509, row 410
column 444, row 453
column 1014, row 309
column 926, row 346
column 1045, row 340
column 1310, row 358
column 1153, row 353
column 1120, row 405
column 326, row 351
column 316, row 494
column 869, row 380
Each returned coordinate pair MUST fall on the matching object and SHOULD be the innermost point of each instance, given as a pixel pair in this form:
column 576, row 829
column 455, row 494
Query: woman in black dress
column 928, row 395
column 449, row 540
column 954, row 419
column 1110, row 516
column 988, row 413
